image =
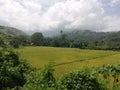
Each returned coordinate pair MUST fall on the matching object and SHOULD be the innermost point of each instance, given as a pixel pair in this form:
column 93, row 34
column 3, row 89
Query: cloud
column 112, row 23
column 114, row 2
column 46, row 15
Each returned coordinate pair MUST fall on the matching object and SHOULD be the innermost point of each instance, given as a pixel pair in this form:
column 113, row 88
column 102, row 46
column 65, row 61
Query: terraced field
column 67, row 59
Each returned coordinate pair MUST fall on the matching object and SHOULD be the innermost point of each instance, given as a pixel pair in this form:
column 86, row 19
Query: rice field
column 67, row 59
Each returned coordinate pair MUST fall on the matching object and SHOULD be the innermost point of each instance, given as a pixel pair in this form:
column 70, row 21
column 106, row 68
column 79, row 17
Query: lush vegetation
column 79, row 39
column 16, row 74
column 41, row 79
column 37, row 39
column 12, row 37
column 101, row 78
column 11, row 31
column 12, row 70
column 74, row 39
column 4, row 42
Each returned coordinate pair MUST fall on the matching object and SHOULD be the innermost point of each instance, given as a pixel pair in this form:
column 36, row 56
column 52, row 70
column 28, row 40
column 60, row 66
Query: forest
column 83, row 39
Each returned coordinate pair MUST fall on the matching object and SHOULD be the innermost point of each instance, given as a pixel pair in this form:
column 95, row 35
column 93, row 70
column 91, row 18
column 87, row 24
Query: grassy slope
column 67, row 59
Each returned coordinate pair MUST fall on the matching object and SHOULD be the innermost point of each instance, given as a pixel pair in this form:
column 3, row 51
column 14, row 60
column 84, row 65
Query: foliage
column 37, row 39
column 80, row 39
column 85, row 79
column 111, row 71
column 4, row 42
column 16, row 73
column 83, row 39
column 14, row 41
column 81, row 80
column 41, row 80
column 11, row 31
column 117, row 88
column 17, row 41
column 12, row 69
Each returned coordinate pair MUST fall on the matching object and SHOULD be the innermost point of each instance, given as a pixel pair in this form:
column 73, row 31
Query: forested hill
column 84, row 39
column 11, row 31
column 85, row 35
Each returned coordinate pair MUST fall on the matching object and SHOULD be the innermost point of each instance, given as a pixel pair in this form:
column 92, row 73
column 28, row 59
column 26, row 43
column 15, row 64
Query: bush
column 111, row 71
column 41, row 79
column 12, row 69
column 81, row 80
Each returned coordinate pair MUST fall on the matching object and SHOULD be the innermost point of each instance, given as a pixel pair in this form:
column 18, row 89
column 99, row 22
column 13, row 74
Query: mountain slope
column 85, row 35
column 11, row 31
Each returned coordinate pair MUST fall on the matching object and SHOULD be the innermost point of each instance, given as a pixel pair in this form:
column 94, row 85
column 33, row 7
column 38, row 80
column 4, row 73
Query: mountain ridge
column 11, row 31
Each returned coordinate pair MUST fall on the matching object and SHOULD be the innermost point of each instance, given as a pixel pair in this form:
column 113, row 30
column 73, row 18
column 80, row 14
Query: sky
column 49, row 15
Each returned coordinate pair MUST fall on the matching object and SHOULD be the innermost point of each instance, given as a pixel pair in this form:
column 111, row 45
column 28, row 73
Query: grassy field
column 67, row 59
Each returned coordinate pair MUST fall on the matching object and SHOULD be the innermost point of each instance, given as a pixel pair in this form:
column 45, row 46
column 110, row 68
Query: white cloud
column 74, row 14
column 112, row 23
column 114, row 2
column 45, row 15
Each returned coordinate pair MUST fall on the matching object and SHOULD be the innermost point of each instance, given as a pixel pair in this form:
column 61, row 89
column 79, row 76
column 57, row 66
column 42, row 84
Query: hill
column 85, row 35
column 11, row 31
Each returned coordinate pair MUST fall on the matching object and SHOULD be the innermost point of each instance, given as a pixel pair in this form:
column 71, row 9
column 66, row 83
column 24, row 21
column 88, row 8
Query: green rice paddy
column 67, row 59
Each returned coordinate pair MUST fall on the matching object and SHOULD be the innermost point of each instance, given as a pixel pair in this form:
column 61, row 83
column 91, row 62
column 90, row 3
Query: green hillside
column 90, row 35
column 11, row 31
column 85, row 35
column 67, row 59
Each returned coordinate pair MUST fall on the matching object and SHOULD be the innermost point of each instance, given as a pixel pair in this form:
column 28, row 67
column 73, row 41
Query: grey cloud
column 114, row 3
column 46, row 15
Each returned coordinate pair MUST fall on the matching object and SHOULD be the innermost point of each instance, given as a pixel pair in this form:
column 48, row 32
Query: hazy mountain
column 70, row 34
column 11, row 31
column 84, row 35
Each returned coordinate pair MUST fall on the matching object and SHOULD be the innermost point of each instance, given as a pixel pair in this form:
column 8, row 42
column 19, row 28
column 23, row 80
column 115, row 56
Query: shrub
column 41, row 79
column 81, row 80
column 12, row 69
column 111, row 71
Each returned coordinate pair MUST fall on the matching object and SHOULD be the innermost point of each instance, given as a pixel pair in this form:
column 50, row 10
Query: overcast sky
column 46, row 15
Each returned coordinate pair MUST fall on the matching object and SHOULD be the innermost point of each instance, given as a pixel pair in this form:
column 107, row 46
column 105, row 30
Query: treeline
column 86, row 40
column 110, row 41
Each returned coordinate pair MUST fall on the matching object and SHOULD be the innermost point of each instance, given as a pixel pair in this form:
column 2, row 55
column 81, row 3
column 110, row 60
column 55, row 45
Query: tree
column 17, row 41
column 37, row 39
column 3, row 40
column 14, row 42
column 23, row 39
column 12, row 69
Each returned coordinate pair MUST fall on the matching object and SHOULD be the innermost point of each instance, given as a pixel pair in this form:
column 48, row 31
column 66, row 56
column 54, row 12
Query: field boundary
column 81, row 60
